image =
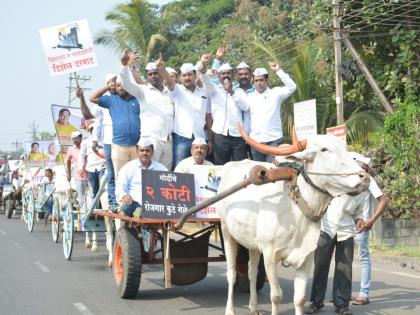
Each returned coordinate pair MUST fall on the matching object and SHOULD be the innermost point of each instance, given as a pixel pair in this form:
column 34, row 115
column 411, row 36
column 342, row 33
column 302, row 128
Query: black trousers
column 228, row 148
column 342, row 273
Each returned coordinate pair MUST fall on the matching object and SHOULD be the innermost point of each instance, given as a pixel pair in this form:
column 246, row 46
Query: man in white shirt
column 227, row 106
column 198, row 157
column 337, row 232
column 90, row 162
column 129, row 183
column 157, row 109
column 191, row 104
column 377, row 203
column 48, row 186
column 265, row 109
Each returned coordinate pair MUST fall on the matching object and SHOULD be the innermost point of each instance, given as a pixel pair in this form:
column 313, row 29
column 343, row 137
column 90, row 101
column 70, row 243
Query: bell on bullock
column 283, row 149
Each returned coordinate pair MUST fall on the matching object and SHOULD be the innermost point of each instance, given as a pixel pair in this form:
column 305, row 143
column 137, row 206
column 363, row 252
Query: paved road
column 36, row 279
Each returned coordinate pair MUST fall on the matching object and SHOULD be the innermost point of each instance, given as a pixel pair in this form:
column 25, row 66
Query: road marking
column 41, row 266
column 397, row 273
column 3, row 232
column 17, row 245
column 82, row 308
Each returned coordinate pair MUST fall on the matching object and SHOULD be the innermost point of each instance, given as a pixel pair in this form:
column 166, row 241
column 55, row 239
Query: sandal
column 314, row 308
column 360, row 300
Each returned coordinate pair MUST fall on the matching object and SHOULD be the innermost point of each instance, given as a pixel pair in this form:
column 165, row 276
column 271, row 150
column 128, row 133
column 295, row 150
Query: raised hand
column 159, row 62
column 274, row 66
column 79, row 92
column 220, row 53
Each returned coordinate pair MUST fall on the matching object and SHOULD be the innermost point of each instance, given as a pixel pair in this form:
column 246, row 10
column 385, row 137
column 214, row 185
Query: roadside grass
column 394, row 251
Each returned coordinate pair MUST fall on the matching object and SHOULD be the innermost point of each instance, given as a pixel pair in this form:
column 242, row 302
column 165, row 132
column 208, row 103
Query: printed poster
column 42, row 153
column 207, row 179
column 68, row 47
column 305, row 119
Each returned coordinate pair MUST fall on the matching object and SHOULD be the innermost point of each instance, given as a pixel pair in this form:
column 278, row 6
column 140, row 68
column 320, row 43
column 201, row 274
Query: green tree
column 136, row 28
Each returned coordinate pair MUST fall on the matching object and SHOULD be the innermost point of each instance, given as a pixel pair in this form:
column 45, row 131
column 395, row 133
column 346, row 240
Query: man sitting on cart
column 129, row 184
column 48, row 186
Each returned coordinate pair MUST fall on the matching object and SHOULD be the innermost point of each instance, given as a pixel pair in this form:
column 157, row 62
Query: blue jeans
column 129, row 209
column 49, row 205
column 364, row 257
column 94, row 179
column 181, row 149
column 112, row 200
column 261, row 157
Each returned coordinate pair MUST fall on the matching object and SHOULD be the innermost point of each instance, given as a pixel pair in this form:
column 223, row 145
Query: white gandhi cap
column 187, row 67
column 199, row 141
column 171, row 70
column 242, row 65
column 260, row 72
column 75, row 134
column 225, row 67
column 145, row 142
column 151, row 66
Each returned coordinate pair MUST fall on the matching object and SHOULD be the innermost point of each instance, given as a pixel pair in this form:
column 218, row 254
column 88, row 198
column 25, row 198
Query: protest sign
column 41, row 153
column 68, row 47
column 166, row 195
column 338, row 131
column 305, row 118
column 207, row 179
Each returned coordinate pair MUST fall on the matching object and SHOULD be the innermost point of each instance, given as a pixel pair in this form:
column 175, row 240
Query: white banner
column 305, row 118
column 207, row 179
column 68, row 47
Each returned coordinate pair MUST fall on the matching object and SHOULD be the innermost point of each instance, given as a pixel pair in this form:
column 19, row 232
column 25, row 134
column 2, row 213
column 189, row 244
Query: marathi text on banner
column 166, row 195
column 68, row 47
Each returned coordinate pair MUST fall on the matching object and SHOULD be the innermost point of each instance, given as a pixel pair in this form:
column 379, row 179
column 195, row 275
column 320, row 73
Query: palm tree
column 136, row 29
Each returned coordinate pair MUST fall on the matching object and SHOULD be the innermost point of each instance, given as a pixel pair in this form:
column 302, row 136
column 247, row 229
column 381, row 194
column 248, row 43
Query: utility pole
column 33, row 131
column 337, row 59
column 374, row 85
column 17, row 144
column 72, row 87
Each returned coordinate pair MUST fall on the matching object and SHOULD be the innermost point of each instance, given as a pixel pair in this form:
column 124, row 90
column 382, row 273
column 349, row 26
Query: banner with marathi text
column 68, row 47
column 338, row 131
column 207, row 179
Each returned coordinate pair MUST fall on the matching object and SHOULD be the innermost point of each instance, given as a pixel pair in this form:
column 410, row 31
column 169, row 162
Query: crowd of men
column 171, row 121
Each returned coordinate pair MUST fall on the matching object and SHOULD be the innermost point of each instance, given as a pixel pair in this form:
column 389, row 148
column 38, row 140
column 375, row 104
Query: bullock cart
column 34, row 202
column 71, row 218
column 184, row 255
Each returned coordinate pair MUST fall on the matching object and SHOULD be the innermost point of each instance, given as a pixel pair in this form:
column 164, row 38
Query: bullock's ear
column 305, row 155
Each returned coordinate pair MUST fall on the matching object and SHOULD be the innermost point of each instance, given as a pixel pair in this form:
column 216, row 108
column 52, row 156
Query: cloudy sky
column 26, row 88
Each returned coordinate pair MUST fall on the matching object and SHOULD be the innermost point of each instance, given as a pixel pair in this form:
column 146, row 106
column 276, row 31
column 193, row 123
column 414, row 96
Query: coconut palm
column 136, row 29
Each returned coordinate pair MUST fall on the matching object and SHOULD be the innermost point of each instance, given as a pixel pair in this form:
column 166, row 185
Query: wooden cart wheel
column 8, row 207
column 127, row 262
column 24, row 208
column 30, row 216
column 68, row 231
column 242, row 280
column 55, row 220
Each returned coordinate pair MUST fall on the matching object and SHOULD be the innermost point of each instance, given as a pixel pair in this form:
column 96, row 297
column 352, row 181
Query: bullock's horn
column 283, row 149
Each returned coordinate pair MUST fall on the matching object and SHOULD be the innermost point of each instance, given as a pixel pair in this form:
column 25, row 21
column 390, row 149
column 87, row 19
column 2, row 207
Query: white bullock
column 266, row 220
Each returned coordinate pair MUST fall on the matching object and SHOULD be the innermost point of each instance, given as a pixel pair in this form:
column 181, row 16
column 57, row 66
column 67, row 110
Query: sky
column 26, row 88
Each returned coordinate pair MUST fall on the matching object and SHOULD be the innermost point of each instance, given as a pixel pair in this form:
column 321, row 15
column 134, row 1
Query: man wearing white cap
column 72, row 158
column 173, row 73
column 227, row 106
column 198, row 156
column 191, row 104
column 157, row 110
column 265, row 109
column 124, row 110
column 90, row 162
column 129, row 183
column 377, row 203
